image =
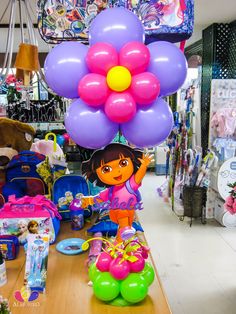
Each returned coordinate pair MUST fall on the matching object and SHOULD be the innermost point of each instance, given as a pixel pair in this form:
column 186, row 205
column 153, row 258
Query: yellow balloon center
column 119, row 78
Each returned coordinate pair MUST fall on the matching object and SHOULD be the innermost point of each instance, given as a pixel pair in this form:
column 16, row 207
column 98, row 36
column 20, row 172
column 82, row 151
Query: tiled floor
column 197, row 265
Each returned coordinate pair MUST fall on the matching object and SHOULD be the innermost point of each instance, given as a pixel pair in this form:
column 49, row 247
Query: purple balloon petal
column 64, row 67
column 116, row 26
column 149, row 127
column 169, row 65
column 89, row 127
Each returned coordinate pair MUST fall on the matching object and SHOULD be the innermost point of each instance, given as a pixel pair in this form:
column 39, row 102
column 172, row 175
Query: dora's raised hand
column 147, row 159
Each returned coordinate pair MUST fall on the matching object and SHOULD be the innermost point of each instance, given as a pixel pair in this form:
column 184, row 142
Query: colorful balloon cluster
column 63, row 139
column 122, row 276
column 118, row 80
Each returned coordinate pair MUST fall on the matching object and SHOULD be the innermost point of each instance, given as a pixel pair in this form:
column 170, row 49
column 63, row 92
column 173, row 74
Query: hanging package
column 169, row 20
column 63, row 20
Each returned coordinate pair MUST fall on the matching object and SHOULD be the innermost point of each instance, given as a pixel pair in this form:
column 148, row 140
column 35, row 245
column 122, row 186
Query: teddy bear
column 15, row 137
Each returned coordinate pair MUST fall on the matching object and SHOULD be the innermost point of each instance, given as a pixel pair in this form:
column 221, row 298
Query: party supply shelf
column 66, row 281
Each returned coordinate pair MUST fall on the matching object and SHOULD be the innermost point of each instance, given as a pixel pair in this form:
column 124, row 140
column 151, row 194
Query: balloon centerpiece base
column 121, row 274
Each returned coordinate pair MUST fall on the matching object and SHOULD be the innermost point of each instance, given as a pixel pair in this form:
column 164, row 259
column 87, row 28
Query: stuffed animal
column 15, row 137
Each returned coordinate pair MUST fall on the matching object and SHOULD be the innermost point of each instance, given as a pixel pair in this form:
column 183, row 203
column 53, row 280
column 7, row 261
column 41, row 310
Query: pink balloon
column 66, row 137
column 137, row 266
column 119, row 270
column 145, row 88
column 101, row 57
column 135, row 56
column 93, row 89
column 103, row 262
column 120, row 107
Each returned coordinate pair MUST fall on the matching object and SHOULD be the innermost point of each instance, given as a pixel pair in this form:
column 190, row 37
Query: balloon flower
column 118, row 82
column 121, row 274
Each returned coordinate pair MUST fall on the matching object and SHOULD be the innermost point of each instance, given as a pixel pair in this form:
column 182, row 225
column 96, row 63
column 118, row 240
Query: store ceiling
column 206, row 13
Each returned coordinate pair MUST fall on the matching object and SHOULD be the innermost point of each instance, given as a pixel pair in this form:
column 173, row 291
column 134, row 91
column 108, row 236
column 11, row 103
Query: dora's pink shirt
column 121, row 192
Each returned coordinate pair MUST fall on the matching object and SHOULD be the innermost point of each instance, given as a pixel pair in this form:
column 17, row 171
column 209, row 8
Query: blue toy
column 72, row 246
column 36, row 262
column 65, row 190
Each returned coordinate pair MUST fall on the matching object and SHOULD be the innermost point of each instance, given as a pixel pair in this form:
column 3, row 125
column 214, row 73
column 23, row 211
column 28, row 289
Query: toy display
column 121, row 275
column 36, row 262
column 118, row 80
column 121, row 169
column 29, row 215
column 71, row 246
column 117, row 84
column 3, row 274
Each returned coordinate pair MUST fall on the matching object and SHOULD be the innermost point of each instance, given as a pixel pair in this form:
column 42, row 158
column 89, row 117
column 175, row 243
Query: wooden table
column 67, row 289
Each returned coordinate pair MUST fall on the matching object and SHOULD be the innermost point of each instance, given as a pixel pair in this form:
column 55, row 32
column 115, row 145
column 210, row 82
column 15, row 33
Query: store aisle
column 197, row 265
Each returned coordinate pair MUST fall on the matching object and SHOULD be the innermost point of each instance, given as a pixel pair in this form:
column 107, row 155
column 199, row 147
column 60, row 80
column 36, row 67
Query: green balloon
column 105, row 287
column 93, row 272
column 148, row 273
column 119, row 301
column 134, row 288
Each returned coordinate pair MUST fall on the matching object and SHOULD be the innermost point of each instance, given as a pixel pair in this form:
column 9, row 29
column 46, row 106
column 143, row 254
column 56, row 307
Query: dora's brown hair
column 110, row 152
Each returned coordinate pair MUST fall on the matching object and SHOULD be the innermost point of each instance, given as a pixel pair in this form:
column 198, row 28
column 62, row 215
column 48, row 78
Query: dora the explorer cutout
column 120, row 169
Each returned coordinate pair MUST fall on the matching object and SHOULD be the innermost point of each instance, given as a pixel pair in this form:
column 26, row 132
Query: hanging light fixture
column 27, row 62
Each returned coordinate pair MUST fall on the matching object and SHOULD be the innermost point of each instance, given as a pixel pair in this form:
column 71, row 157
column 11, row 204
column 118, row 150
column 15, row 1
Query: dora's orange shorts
column 117, row 215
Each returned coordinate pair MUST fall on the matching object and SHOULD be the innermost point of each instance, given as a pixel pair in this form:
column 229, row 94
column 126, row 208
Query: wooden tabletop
column 67, row 289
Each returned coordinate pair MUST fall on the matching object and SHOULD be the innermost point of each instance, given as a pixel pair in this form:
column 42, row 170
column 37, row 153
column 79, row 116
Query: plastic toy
column 36, row 262
column 95, row 248
column 121, row 275
column 77, row 213
column 121, row 169
column 65, row 189
column 71, row 246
